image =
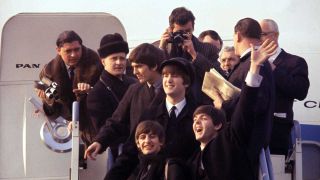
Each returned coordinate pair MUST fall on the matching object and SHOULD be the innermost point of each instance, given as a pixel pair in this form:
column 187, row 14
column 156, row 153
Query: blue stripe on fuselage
column 310, row 132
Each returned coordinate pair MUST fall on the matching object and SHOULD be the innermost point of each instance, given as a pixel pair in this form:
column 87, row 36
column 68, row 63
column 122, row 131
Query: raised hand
column 165, row 38
column 267, row 49
column 189, row 47
column 260, row 55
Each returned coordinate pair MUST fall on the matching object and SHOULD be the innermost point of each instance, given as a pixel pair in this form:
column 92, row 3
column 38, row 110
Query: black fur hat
column 112, row 43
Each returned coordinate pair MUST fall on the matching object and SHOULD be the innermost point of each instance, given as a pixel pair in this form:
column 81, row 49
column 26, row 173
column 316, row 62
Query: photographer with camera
column 178, row 41
column 67, row 78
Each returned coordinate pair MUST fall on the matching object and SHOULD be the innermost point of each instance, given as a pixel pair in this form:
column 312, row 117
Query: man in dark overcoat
column 75, row 69
column 291, row 82
column 145, row 60
column 105, row 96
column 247, row 31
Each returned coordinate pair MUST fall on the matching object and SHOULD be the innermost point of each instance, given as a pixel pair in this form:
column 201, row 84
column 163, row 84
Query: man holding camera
column 75, row 70
column 178, row 41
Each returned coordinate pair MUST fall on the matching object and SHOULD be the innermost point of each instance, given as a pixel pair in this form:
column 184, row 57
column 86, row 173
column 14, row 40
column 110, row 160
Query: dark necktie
column 172, row 124
column 71, row 71
column 152, row 91
column 172, row 115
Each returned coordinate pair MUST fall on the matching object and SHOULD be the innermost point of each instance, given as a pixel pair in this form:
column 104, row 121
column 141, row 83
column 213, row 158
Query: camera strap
column 109, row 89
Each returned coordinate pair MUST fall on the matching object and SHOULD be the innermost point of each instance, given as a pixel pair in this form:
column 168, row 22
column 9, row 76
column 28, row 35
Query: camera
column 178, row 37
column 49, row 87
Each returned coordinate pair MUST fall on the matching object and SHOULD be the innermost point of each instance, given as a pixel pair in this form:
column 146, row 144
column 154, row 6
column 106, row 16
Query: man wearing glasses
column 291, row 82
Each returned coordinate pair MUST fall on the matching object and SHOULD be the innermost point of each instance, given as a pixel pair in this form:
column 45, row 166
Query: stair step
column 278, row 163
column 284, row 176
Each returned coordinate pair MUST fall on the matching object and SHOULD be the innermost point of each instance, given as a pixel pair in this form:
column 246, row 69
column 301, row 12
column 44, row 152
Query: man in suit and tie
column 291, row 82
column 247, row 32
column 75, row 69
column 174, row 113
column 178, row 41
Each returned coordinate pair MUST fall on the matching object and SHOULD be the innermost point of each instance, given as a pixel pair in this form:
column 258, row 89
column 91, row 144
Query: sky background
column 146, row 20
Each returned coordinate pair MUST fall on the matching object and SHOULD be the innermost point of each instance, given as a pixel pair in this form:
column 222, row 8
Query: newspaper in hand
column 214, row 83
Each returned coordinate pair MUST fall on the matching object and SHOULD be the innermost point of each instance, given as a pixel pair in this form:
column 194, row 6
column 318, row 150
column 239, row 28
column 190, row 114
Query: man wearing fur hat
column 105, row 96
column 75, row 69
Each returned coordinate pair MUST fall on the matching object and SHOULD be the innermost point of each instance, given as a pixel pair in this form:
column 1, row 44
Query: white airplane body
column 29, row 30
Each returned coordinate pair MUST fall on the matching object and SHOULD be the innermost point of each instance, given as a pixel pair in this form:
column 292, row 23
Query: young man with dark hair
column 178, row 41
column 67, row 37
column 222, row 154
column 149, row 138
column 75, row 69
column 145, row 60
column 211, row 37
column 174, row 113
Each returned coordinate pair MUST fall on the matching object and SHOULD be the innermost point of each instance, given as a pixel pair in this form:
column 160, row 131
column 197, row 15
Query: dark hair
column 213, row 34
column 68, row 37
column 217, row 115
column 175, row 69
column 249, row 28
column 181, row 16
column 149, row 126
column 147, row 54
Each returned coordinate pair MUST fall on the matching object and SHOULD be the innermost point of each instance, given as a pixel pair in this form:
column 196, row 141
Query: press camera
column 49, row 87
column 178, row 37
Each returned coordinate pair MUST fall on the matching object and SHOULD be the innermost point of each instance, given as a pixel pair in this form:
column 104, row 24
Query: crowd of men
column 168, row 127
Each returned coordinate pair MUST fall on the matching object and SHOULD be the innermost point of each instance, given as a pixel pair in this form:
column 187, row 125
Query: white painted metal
column 29, row 39
column 75, row 142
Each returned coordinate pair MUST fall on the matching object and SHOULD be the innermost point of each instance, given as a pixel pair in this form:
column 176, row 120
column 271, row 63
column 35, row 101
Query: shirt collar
column 157, row 84
column 248, row 50
column 245, row 52
column 273, row 57
column 67, row 66
column 179, row 106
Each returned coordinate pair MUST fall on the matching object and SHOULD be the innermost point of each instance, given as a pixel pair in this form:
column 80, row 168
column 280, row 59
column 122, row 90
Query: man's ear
column 138, row 145
column 58, row 49
column 217, row 127
column 237, row 36
column 277, row 36
column 102, row 61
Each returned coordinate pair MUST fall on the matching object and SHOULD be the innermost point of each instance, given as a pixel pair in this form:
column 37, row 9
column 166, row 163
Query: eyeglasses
column 266, row 33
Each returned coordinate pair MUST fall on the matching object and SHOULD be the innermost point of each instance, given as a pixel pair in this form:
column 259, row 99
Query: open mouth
column 198, row 130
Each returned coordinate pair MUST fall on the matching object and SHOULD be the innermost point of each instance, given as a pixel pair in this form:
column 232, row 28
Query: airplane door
column 27, row 44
